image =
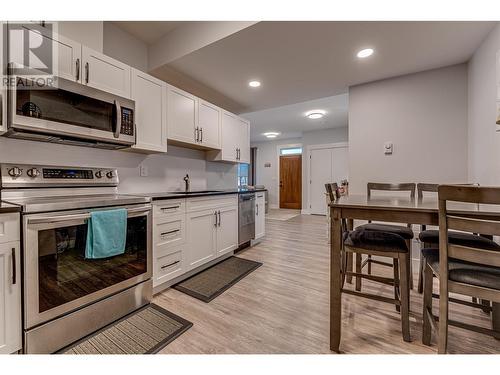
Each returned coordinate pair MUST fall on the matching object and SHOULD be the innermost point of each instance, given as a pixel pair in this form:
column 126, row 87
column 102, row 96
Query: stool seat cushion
column 376, row 240
column 465, row 272
column 400, row 230
column 459, row 238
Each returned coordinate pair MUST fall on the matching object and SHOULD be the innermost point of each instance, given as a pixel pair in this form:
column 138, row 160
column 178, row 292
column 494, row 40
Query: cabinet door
column 209, row 123
column 66, row 53
column 227, row 231
column 10, row 298
column 105, row 73
column 181, row 115
column 260, row 215
column 201, row 227
column 243, row 140
column 230, row 136
column 150, row 95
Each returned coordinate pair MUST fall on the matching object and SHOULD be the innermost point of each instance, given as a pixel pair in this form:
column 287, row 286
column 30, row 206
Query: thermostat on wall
column 388, row 148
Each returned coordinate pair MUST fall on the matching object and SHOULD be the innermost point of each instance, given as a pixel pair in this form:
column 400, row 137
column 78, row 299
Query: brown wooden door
column 291, row 181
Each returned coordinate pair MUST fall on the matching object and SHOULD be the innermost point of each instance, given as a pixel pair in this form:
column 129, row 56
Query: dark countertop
column 180, row 195
column 6, row 208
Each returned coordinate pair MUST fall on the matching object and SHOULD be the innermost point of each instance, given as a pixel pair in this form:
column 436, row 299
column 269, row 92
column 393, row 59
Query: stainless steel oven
column 67, row 295
column 69, row 112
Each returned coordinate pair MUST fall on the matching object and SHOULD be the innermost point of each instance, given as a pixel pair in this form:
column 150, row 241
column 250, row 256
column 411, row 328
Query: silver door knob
column 33, row 172
column 15, row 172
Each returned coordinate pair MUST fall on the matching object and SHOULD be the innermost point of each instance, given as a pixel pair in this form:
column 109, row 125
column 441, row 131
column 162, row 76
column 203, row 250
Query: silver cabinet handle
column 219, row 218
column 170, row 208
column 118, row 119
column 216, row 223
column 196, row 134
column 77, row 70
column 170, row 232
column 14, row 266
column 257, row 212
column 201, row 135
column 87, row 68
column 169, row 265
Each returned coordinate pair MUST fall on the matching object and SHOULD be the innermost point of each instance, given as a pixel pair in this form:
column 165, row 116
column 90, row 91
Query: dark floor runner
column 213, row 281
column 145, row 331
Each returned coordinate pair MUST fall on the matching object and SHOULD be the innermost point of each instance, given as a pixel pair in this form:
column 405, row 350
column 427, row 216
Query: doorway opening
column 290, row 177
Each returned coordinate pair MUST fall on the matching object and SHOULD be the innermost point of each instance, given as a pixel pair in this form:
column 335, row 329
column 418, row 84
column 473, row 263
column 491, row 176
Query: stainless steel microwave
column 69, row 113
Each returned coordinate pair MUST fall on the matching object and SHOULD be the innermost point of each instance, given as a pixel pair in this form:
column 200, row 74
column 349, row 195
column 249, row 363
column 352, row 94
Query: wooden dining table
column 386, row 209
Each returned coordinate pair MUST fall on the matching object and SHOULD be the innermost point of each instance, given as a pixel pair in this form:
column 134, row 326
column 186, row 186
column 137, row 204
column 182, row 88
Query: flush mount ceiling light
column 315, row 114
column 365, row 53
column 271, row 134
column 254, row 83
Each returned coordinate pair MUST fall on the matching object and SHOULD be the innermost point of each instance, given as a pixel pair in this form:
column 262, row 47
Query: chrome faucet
column 186, row 181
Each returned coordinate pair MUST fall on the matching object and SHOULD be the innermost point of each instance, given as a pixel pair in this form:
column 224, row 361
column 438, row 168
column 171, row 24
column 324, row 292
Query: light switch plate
column 388, row 147
column 143, row 170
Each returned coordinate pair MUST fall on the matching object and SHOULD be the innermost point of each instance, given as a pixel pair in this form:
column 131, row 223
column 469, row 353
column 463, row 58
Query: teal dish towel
column 106, row 234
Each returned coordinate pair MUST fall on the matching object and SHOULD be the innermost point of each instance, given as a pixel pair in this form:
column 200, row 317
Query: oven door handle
column 60, row 218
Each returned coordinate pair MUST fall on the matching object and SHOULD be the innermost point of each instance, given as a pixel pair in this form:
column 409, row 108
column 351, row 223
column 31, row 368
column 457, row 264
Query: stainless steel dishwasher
column 246, row 217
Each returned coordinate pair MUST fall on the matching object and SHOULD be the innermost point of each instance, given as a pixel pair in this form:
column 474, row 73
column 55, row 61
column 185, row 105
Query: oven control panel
column 21, row 175
column 127, row 121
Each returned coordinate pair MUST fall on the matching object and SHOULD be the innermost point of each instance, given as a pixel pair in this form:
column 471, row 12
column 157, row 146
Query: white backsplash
column 165, row 171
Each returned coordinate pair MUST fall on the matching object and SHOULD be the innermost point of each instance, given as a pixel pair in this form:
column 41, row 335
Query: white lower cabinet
column 260, row 215
column 189, row 233
column 227, row 230
column 10, row 286
column 202, row 234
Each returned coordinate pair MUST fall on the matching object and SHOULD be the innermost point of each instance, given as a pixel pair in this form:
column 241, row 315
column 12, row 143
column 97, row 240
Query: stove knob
column 110, row 174
column 33, row 172
column 98, row 174
column 15, row 172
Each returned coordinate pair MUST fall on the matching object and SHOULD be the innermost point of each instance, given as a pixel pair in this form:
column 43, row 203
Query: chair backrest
column 409, row 187
column 467, row 222
column 332, row 190
column 424, row 187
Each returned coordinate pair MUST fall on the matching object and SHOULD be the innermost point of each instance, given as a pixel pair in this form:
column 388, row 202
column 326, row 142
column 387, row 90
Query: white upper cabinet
column 181, row 116
column 65, row 54
column 209, row 117
column 235, row 140
column 105, row 73
column 150, row 95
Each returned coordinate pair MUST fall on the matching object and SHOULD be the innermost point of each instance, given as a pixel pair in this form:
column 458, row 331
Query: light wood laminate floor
column 283, row 306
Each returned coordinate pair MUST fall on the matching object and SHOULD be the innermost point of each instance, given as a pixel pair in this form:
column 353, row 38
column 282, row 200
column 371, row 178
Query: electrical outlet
column 388, row 148
column 143, row 170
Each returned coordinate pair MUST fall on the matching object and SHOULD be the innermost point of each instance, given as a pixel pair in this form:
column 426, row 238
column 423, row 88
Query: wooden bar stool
column 385, row 244
column 404, row 231
column 461, row 268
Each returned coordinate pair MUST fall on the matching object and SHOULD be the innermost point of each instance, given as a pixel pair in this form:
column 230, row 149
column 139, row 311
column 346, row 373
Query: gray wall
column 423, row 114
column 123, row 46
column 268, row 152
column 484, row 142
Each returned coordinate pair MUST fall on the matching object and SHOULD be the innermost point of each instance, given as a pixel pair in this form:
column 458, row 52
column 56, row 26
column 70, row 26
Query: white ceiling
column 299, row 61
column 148, row 31
column 291, row 122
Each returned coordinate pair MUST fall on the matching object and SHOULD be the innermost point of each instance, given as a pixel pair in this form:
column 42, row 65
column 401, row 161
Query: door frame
column 309, row 159
column 278, row 154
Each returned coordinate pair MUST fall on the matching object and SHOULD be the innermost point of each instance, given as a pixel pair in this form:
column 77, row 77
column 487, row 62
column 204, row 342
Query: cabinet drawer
column 167, row 267
column 206, row 203
column 168, row 233
column 169, row 207
column 9, row 227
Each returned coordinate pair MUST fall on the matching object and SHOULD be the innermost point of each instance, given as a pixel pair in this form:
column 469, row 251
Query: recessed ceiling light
column 271, row 134
column 365, row 53
column 315, row 114
column 254, row 83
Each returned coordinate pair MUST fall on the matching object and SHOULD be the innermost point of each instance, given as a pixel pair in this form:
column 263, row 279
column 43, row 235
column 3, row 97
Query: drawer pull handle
column 170, row 232
column 169, row 208
column 169, row 265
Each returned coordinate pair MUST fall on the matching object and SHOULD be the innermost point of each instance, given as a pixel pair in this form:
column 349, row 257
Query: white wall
column 423, row 114
column 484, row 142
column 125, row 47
column 267, row 152
column 165, row 171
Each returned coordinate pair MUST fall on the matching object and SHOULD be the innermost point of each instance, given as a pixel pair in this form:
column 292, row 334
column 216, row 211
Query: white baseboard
column 305, row 211
column 274, row 206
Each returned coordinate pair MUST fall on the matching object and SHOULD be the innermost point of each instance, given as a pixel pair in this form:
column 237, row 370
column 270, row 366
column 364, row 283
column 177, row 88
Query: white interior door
column 320, row 169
